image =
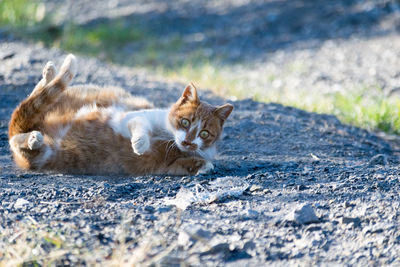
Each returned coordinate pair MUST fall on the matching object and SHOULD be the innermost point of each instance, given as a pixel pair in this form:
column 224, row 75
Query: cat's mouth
column 188, row 147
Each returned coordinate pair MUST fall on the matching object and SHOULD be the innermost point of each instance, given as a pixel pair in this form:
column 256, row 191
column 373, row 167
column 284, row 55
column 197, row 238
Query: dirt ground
column 289, row 188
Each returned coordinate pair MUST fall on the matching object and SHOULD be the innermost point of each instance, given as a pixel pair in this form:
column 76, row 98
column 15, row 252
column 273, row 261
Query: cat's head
column 197, row 125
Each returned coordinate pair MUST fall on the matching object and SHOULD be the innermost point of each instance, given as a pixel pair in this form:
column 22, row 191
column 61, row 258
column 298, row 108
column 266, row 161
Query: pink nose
column 189, row 145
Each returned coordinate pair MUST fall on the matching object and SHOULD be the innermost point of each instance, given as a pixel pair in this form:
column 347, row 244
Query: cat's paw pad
column 140, row 144
column 49, row 72
column 206, row 168
column 35, row 140
column 68, row 68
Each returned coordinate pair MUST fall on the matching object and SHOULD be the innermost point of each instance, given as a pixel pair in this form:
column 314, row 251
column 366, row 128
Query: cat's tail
column 28, row 115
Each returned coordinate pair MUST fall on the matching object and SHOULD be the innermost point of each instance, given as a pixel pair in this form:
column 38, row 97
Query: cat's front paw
column 194, row 165
column 140, row 144
column 206, row 168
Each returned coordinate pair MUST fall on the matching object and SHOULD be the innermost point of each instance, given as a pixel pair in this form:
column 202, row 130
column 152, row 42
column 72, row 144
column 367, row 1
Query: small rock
column 348, row 204
column 149, row 209
column 306, row 170
column 255, row 187
column 8, row 55
column 347, row 220
column 20, row 202
column 128, row 187
column 267, row 191
column 383, row 185
column 379, row 176
column 164, row 209
column 303, row 214
column 302, row 187
column 192, row 233
column 35, row 60
column 313, row 228
column 150, row 218
column 252, row 213
column 322, row 206
column 128, row 205
column 219, row 248
column 315, row 158
column 183, row 238
column 249, row 246
column 379, row 159
column 275, row 209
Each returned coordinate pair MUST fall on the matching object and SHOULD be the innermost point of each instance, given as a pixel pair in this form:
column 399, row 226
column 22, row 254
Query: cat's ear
column 223, row 111
column 190, row 94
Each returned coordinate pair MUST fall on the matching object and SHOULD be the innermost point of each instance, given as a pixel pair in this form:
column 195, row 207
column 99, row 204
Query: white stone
column 21, row 202
column 303, row 214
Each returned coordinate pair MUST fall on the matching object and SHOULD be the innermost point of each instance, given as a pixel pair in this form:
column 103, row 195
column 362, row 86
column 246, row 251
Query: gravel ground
column 289, row 187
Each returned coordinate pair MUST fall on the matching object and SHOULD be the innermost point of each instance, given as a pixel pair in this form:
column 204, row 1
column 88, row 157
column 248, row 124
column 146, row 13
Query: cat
column 87, row 129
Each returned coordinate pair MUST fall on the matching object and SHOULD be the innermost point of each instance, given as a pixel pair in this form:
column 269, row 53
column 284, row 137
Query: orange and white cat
column 91, row 130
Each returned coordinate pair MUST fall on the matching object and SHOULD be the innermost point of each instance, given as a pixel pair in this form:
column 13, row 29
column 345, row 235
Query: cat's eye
column 185, row 123
column 204, row 134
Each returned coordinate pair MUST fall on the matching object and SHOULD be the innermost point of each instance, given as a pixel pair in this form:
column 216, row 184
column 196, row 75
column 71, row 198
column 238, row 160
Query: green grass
column 126, row 42
column 369, row 111
column 21, row 13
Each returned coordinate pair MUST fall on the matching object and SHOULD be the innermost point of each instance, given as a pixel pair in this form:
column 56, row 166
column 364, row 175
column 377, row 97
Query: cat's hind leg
column 48, row 74
column 67, row 72
column 68, row 69
column 29, row 114
column 27, row 141
column 30, row 150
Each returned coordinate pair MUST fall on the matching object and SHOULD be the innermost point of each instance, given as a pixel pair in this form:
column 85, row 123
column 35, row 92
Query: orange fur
column 212, row 118
column 48, row 132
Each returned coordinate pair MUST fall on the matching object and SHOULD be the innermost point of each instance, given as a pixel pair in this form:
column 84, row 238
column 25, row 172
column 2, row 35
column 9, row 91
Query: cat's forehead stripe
column 186, row 111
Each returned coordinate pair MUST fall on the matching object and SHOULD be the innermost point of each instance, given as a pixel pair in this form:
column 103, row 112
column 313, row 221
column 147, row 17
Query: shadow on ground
column 168, row 34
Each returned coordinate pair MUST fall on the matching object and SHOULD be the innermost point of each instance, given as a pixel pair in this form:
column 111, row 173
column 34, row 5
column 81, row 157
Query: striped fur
column 92, row 130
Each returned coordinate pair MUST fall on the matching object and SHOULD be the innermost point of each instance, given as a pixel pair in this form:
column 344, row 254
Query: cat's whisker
column 167, row 152
column 169, row 147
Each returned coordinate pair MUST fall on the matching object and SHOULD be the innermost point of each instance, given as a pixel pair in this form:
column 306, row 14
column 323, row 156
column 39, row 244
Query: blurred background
column 340, row 57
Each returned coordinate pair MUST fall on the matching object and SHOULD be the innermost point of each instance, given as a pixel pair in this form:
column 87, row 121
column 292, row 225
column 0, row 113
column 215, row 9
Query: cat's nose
column 189, row 145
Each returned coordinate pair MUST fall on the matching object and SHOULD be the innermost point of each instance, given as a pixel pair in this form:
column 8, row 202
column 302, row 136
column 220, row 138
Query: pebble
column 302, row 187
column 379, row 159
column 303, row 214
column 349, row 205
column 348, row 220
column 267, row 191
column 192, row 233
column 255, row 187
column 20, row 203
column 149, row 209
column 218, row 248
column 164, row 209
